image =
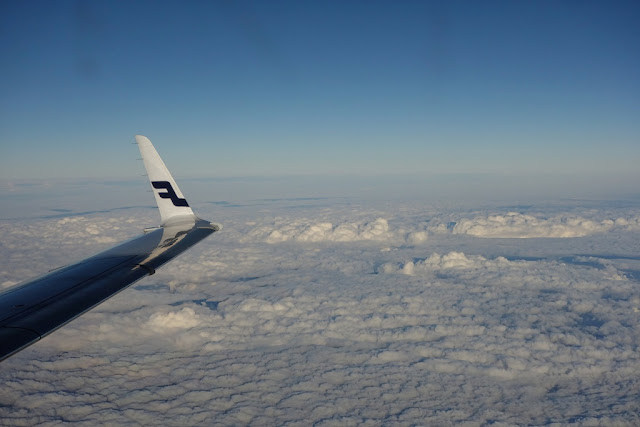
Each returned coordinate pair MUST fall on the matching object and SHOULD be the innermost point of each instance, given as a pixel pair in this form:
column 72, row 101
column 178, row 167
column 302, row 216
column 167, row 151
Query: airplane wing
column 34, row 309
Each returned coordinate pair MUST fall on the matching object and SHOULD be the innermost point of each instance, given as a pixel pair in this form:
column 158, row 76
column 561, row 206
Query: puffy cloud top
column 377, row 229
column 517, row 225
column 451, row 261
column 305, row 230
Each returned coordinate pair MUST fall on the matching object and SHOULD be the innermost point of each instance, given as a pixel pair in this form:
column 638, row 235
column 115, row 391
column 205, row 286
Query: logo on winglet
column 170, row 193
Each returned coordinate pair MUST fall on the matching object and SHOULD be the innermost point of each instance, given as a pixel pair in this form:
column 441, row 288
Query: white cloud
column 343, row 231
column 351, row 323
column 305, row 231
column 450, row 261
column 182, row 319
column 517, row 225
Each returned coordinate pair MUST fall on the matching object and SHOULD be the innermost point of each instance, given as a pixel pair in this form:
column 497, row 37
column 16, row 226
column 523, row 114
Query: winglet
column 169, row 198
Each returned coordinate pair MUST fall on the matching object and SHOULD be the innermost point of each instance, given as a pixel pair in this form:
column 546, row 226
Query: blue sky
column 322, row 88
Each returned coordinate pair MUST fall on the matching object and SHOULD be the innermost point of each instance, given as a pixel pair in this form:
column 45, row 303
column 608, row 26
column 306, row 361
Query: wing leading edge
column 32, row 310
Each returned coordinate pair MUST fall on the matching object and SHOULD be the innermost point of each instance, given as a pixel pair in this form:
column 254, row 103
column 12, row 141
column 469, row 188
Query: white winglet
column 169, row 198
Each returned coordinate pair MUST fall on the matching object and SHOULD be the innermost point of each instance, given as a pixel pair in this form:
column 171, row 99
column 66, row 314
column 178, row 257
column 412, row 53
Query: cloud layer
column 337, row 316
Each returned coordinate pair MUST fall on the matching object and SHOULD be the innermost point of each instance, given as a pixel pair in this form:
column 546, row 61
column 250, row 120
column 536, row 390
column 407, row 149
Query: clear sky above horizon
column 278, row 88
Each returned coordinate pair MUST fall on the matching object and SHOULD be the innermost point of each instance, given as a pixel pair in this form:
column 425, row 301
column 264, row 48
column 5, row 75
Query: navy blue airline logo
column 170, row 193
